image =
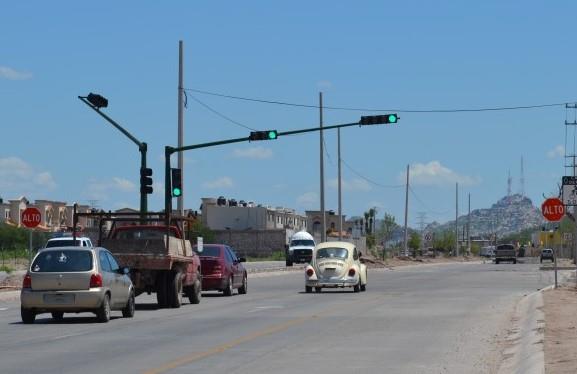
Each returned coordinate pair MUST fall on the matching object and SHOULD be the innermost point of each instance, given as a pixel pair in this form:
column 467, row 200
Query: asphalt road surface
column 418, row 319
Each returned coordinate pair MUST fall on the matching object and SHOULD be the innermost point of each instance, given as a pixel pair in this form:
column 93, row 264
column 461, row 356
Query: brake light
column 95, row 280
column 352, row 272
column 27, row 281
column 310, row 272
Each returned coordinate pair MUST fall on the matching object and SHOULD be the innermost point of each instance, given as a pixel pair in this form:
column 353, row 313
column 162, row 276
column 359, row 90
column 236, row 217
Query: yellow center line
column 223, row 347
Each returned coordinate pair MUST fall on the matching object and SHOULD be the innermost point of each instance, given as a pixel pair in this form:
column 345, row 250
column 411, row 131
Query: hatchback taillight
column 310, row 272
column 352, row 272
column 27, row 281
column 95, row 280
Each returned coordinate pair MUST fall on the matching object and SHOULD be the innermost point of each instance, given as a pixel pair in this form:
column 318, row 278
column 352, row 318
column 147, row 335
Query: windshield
column 62, row 243
column 62, row 261
column 302, row 242
column 339, row 253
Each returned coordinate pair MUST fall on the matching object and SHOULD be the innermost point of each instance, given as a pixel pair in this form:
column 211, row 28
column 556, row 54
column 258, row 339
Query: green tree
column 444, row 241
column 198, row 229
column 414, row 242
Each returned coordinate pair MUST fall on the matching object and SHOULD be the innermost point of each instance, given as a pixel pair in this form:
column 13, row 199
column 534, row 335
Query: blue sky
column 409, row 55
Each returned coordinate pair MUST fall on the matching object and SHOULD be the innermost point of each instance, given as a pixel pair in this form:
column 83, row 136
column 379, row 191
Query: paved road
column 427, row 319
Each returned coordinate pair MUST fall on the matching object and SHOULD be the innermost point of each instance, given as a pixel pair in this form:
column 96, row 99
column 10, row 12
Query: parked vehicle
column 160, row 258
column 487, row 251
column 505, row 252
column 68, row 241
column 73, row 280
column 222, row 270
column 335, row 265
column 300, row 249
column 547, row 254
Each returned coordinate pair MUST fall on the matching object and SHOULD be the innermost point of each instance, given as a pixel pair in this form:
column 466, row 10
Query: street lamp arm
column 113, row 123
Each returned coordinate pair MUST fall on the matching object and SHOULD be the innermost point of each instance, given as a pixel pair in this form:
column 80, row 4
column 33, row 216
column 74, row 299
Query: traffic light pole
column 142, row 147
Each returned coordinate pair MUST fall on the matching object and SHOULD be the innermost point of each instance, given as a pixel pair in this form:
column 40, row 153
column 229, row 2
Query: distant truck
column 300, row 248
column 505, row 252
column 160, row 258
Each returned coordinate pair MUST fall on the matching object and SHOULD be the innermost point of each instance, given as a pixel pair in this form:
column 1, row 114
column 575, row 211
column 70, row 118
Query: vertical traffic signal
column 146, row 180
column 176, row 182
column 380, row 119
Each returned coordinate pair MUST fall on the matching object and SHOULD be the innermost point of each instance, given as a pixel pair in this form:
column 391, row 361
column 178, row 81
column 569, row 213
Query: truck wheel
column 161, row 294
column 318, row 289
column 128, row 311
column 289, row 262
column 28, row 315
column 57, row 316
column 308, row 289
column 242, row 289
column 514, row 261
column 195, row 292
column 175, row 290
column 497, row 261
column 228, row 289
column 103, row 312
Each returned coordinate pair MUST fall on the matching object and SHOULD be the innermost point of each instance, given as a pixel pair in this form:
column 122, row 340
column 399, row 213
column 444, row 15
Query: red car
column 221, row 269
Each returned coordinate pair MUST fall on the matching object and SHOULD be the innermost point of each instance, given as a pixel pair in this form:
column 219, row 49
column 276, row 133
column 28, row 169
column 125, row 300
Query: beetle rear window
column 340, row 253
column 62, row 261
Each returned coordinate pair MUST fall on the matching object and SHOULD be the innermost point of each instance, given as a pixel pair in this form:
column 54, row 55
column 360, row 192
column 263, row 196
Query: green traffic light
column 272, row 134
column 176, row 192
column 393, row 118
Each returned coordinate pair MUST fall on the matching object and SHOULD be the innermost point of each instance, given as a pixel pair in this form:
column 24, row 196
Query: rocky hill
column 509, row 215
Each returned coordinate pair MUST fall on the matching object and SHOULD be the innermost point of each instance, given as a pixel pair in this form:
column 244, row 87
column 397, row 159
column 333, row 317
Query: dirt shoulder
column 373, row 262
column 560, row 308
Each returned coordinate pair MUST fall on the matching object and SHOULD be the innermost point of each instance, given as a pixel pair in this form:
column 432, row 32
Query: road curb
column 525, row 352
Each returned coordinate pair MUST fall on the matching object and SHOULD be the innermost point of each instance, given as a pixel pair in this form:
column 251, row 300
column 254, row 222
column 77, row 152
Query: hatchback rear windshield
column 302, row 242
column 339, row 253
column 210, row 251
column 62, row 243
column 62, row 261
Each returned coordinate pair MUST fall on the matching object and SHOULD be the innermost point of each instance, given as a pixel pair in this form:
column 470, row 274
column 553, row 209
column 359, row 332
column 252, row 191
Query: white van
column 68, row 241
column 300, row 248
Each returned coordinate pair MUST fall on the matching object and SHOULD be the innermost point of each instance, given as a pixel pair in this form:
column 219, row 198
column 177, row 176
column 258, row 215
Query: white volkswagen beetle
column 335, row 265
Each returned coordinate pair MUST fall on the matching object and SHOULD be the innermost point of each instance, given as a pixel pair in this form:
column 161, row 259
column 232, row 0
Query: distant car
column 222, row 270
column 335, row 265
column 505, row 253
column 68, row 241
column 73, row 280
column 547, row 254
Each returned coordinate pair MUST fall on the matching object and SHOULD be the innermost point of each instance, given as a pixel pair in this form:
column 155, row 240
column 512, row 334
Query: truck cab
column 300, row 248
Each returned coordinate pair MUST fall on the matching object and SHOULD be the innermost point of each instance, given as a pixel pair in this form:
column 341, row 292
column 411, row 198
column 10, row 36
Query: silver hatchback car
column 73, row 280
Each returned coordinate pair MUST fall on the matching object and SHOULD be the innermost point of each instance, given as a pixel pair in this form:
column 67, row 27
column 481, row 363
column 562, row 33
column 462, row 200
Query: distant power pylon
column 522, row 179
column 509, row 184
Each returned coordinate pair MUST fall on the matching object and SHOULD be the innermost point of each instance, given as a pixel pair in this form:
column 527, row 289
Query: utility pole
column 406, row 242
column 324, row 219
column 469, row 227
column 573, row 166
column 180, row 199
column 457, row 218
column 340, row 191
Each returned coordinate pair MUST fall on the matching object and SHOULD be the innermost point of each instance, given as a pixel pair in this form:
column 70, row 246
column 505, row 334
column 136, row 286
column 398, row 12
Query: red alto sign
column 31, row 217
column 553, row 209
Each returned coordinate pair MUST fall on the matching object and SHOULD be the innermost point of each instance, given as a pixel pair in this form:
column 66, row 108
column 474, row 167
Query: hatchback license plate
column 59, row 299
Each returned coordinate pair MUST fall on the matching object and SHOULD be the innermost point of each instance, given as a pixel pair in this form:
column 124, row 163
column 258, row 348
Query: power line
column 457, row 110
column 429, row 210
column 220, row 114
column 369, row 180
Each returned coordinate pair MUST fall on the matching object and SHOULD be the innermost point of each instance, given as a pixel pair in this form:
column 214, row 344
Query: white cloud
column 258, row 153
column 558, row 151
column 17, row 174
column 222, row 182
column 308, row 199
column 435, row 174
column 356, row 184
column 11, row 74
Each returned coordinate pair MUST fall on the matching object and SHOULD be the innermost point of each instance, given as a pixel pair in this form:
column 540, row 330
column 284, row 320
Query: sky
column 398, row 57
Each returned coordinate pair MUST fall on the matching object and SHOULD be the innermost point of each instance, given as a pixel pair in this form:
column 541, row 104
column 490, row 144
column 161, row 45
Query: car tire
column 103, row 312
column 228, row 288
column 357, row 287
column 308, row 289
column 57, row 316
column 514, row 261
column 243, row 289
column 129, row 309
column 541, row 260
column 161, row 294
column 194, row 292
column 28, row 316
column 289, row 262
column 497, row 262
column 318, row 289
column 175, row 290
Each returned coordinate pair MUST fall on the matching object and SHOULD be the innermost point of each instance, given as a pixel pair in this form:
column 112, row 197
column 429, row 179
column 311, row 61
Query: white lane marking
column 266, row 307
column 3, row 309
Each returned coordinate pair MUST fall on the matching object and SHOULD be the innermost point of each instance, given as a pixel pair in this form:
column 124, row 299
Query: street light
column 96, row 102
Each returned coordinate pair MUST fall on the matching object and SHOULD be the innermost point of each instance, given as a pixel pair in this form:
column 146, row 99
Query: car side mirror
column 242, row 259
